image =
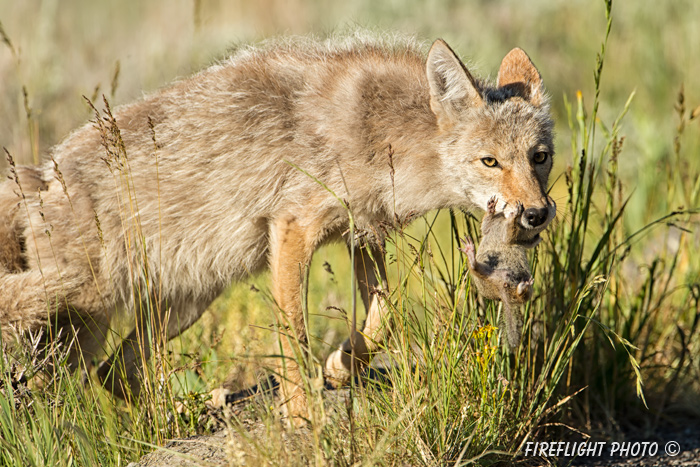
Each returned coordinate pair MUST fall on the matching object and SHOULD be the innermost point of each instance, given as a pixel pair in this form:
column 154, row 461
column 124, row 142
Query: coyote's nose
column 535, row 217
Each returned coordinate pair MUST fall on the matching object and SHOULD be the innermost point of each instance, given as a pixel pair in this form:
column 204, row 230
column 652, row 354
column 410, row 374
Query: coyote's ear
column 452, row 87
column 519, row 73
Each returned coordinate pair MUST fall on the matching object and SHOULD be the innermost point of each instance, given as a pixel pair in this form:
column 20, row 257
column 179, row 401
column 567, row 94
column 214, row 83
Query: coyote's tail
column 29, row 298
column 23, row 181
column 25, row 296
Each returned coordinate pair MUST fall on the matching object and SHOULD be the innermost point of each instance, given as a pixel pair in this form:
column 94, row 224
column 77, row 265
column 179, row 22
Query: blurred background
column 59, row 51
column 54, row 52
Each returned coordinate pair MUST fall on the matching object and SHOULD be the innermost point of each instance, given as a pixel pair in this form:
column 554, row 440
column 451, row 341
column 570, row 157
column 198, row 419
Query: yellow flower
column 484, row 332
column 488, row 329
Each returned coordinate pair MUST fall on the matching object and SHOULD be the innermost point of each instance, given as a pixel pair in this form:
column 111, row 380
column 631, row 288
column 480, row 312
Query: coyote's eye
column 540, row 157
column 489, row 161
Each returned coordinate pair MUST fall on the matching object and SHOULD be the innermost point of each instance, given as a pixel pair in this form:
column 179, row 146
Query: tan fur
column 500, row 269
column 238, row 151
column 24, row 180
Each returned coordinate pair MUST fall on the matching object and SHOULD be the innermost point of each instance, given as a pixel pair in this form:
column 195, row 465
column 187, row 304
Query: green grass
column 609, row 336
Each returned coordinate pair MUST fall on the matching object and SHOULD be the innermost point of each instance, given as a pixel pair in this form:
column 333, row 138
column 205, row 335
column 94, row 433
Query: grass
column 610, row 336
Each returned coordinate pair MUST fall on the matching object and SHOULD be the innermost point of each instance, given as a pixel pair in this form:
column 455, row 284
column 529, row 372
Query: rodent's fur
column 500, row 268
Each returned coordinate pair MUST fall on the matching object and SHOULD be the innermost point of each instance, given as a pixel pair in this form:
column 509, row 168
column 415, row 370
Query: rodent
column 500, row 268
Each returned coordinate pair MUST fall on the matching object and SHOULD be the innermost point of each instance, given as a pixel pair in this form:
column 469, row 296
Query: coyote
column 500, row 269
column 255, row 162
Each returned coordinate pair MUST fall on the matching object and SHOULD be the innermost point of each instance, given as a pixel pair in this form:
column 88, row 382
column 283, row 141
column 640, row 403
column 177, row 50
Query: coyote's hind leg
column 121, row 373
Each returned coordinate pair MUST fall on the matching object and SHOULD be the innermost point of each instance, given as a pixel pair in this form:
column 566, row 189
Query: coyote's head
column 494, row 141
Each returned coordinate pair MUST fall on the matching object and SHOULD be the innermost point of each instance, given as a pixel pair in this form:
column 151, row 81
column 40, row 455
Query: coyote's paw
column 218, row 398
column 337, row 369
column 295, row 408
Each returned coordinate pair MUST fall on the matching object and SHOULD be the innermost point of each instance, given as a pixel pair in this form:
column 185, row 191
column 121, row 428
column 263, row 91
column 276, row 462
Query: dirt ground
column 224, row 447
column 220, row 449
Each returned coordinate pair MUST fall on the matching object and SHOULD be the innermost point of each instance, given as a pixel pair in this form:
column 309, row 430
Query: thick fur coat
column 243, row 166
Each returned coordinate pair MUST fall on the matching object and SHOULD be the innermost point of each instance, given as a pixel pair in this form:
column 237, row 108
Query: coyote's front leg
column 291, row 249
column 371, row 276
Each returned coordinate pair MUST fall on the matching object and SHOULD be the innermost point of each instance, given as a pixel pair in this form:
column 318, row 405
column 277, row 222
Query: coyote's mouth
column 531, row 242
column 529, row 237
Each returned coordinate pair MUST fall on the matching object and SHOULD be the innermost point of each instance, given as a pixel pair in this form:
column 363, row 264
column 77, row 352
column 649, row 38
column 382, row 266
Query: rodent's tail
column 512, row 320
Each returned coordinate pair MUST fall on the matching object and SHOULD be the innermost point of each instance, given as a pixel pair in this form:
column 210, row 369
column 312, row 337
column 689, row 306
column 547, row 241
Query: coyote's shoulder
column 255, row 162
